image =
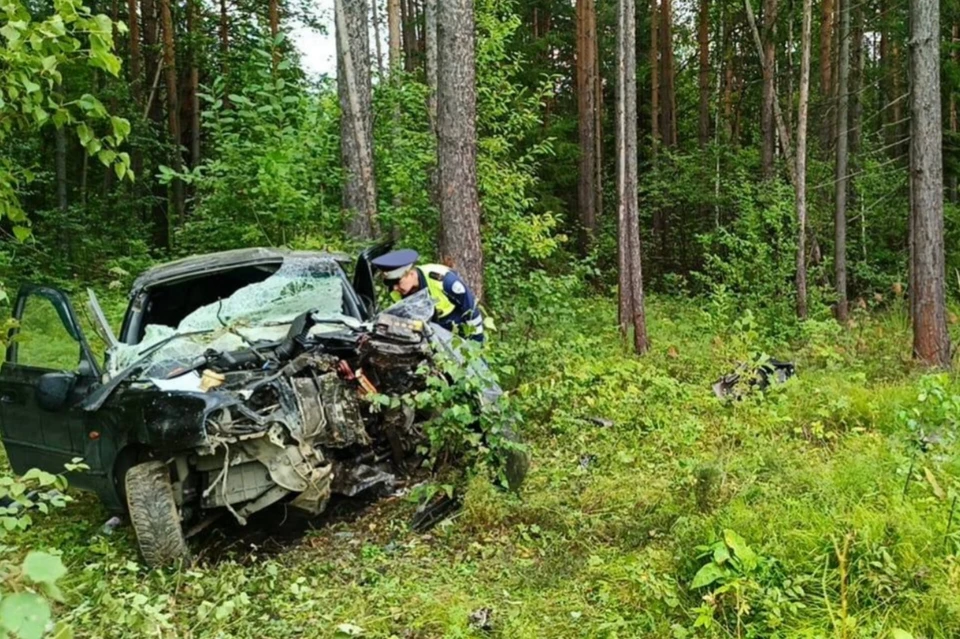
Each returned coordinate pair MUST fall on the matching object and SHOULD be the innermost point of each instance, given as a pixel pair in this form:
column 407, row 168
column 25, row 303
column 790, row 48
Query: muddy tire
column 153, row 513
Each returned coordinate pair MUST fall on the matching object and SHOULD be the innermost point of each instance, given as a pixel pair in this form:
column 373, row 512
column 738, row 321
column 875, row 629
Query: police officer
column 456, row 305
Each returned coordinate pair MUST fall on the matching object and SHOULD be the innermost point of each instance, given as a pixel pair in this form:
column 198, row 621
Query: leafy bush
column 29, row 586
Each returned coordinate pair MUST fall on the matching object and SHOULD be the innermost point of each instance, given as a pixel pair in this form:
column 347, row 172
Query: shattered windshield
column 258, row 312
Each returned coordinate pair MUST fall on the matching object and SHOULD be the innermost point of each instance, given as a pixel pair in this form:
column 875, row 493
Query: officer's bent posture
column 456, row 305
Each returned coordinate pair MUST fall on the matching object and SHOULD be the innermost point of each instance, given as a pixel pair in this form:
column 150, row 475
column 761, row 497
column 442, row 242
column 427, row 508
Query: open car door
column 363, row 280
column 48, row 369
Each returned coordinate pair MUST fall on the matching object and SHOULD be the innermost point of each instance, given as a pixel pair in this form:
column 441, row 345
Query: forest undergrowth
column 823, row 507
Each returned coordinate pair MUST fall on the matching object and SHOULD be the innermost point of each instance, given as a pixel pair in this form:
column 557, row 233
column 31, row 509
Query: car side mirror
column 53, row 390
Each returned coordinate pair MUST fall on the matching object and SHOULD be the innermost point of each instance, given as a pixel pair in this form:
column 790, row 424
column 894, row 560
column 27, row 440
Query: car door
column 363, row 281
column 48, row 369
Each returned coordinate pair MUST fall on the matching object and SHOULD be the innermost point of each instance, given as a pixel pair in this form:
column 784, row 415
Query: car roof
column 197, row 265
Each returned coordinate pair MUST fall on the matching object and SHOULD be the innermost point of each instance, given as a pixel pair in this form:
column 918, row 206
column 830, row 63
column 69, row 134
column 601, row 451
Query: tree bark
column 61, row 166
column 587, row 120
column 954, row 121
column 703, row 41
column 393, row 30
column 801, row 172
column 356, row 118
column 460, row 241
column 136, row 81
column 274, row 12
column 668, row 94
column 407, row 17
column 842, row 174
column 856, row 82
column 224, row 33
column 826, row 71
column 654, row 78
column 151, row 41
column 375, row 12
column 173, row 103
column 931, row 341
column 430, row 62
column 769, row 94
column 631, row 277
column 192, row 28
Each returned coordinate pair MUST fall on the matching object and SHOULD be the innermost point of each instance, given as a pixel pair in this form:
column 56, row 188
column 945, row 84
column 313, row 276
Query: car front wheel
column 153, row 513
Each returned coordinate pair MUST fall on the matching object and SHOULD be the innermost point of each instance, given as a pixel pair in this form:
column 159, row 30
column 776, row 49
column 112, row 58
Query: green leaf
column 25, row 614
column 30, row 85
column 121, row 127
column 84, row 133
column 743, row 552
column 43, row 568
column 898, row 633
column 21, row 233
column 721, row 554
column 707, row 575
column 106, row 156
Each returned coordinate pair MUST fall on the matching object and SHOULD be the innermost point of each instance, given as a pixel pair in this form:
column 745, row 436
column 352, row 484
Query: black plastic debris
column 758, row 375
column 433, row 512
column 482, row 619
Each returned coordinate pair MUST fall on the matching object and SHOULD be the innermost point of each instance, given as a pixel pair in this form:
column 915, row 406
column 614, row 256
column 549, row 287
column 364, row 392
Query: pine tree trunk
column 631, row 278
column 703, row 41
column 768, row 131
column 430, row 62
column 152, row 64
column 897, row 124
column 587, row 121
column 160, row 222
column 194, row 93
column 654, row 77
column 457, row 149
column 801, row 172
column 430, row 36
column 173, row 103
column 375, row 9
column 61, row 167
column 842, row 174
column 393, row 30
column 954, row 123
column 826, row 72
column 856, row 83
column 884, row 92
column 728, row 82
column 224, row 33
column 668, row 111
column 136, row 80
column 274, row 12
column 931, row 341
column 408, row 19
column 356, row 118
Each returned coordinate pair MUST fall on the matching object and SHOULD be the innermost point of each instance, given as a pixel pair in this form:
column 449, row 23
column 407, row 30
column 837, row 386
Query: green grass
column 604, row 539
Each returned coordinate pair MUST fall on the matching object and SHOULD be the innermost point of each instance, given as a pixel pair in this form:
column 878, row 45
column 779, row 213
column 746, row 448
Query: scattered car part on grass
column 482, row 619
column 759, row 375
column 238, row 380
column 434, row 511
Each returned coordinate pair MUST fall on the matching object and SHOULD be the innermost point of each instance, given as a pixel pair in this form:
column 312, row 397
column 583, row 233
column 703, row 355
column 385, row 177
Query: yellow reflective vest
column 433, row 275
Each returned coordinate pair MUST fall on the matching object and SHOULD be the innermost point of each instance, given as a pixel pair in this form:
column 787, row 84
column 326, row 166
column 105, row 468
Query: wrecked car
column 238, row 380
